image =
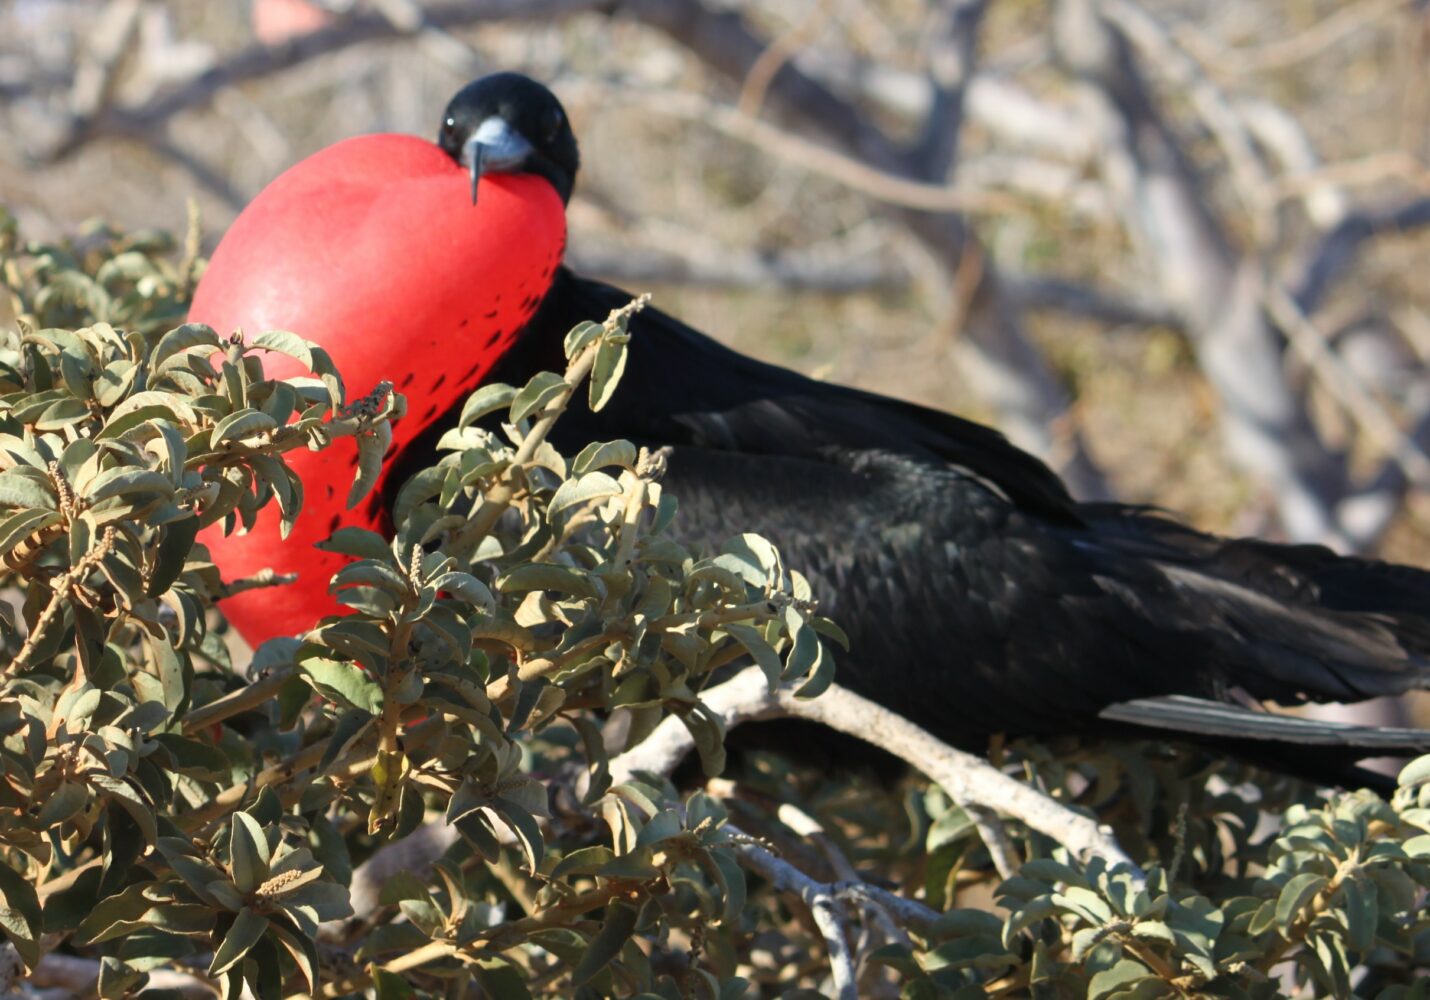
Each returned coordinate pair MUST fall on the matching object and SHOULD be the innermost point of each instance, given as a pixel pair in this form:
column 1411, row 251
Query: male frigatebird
column 978, row 595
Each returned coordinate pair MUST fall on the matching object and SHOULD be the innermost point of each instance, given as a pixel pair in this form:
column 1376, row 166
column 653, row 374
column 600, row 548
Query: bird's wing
column 979, row 597
column 964, row 614
column 682, row 387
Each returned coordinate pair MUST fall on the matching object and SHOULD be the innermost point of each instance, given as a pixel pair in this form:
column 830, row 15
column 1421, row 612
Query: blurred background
column 1178, row 248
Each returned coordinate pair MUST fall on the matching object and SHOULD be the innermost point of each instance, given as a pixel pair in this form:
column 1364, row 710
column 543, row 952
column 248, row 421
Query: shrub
column 166, row 810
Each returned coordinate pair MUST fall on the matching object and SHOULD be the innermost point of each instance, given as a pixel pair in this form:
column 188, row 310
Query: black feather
column 979, row 597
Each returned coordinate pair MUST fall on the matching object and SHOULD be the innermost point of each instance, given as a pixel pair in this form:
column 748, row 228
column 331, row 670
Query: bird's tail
column 1286, row 623
column 1315, row 749
column 1203, row 718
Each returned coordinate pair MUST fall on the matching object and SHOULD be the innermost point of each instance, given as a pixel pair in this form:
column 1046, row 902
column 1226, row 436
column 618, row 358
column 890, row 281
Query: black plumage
column 979, row 597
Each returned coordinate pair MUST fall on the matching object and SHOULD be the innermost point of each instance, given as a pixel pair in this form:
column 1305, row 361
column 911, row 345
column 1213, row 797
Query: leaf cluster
column 165, row 807
column 533, row 616
column 1333, row 904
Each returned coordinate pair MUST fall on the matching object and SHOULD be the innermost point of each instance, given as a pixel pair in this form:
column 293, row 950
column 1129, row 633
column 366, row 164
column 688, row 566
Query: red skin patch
column 372, row 249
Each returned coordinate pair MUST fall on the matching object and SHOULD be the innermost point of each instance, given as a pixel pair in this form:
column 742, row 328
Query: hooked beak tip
column 494, row 148
column 474, row 156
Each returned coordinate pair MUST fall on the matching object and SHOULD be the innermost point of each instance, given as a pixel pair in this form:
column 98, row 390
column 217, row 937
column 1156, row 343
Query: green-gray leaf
column 242, row 424
column 606, row 372
column 487, row 399
column 248, row 853
column 615, row 930
column 287, row 343
column 372, row 449
column 591, row 486
column 536, row 394
column 1294, row 896
column 27, row 487
column 248, row 928
column 601, row 454
column 344, row 683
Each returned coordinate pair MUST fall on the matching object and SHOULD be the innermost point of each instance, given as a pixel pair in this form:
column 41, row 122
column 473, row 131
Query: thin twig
column 824, row 907
column 710, row 264
column 857, row 175
column 278, row 774
column 809, row 828
column 1343, row 384
column 264, row 578
column 236, row 702
column 60, row 598
column 479, row 945
column 1390, row 164
column 776, row 54
column 1307, row 44
column 995, row 838
column 500, row 496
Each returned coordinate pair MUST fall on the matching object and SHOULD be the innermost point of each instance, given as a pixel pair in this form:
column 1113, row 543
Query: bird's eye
column 449, row 127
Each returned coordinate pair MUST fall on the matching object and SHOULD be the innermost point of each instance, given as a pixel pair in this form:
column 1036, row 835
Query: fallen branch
column 1343, row 384
column 1216, row 290
column 1220, row 115
column 1042, row 292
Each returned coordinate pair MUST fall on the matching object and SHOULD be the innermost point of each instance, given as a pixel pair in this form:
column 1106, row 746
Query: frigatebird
column 979, row 596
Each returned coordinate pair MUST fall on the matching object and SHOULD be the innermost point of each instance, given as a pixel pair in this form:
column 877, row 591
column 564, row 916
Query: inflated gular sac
column 373, row 249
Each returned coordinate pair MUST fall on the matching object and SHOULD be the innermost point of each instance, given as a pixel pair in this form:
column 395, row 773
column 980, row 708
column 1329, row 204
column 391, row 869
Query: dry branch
column 1217, row 292
column 888, row 186
column 965, row 777
column 1008, row 368
column 799, row 270
column 259, row 61
column 1307, row 44
column 824, row 907
column 1337, row 252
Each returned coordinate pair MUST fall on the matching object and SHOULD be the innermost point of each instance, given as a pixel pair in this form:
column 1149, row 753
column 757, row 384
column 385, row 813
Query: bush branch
column 236, row 702
column 500, row 496
column 824, row 906
column 966, row 778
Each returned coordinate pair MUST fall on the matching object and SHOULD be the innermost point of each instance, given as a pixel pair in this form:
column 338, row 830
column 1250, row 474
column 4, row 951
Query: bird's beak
column 494, row 148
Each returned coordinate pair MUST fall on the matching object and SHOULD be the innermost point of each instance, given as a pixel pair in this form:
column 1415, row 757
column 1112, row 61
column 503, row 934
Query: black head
column 508, row 123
